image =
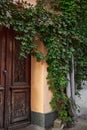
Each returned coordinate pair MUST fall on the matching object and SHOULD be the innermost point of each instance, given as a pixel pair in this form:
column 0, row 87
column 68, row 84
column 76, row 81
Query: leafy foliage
column 61, row 26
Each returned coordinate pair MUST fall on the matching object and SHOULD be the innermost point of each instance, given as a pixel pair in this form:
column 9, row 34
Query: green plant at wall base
column 61, row 26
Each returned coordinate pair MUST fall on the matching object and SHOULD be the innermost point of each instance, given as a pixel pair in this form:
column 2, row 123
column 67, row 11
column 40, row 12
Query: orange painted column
column 40, row 93
column 41, row 111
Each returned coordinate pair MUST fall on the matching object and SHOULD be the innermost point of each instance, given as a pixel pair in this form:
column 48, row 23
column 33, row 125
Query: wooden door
column 2, row 79
column 14, row 83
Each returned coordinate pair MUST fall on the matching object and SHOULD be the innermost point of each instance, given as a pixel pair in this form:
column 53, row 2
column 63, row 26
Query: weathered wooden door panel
column 20, row 109
column 1, row 109
column 14, row 82
column 1, row 89
column 19, row 88
column 2, row 78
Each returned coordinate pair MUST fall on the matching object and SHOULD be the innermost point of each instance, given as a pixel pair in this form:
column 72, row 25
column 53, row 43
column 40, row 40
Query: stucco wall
column 40, row 93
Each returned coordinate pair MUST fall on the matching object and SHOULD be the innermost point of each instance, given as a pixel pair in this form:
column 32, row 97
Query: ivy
column 61, row 26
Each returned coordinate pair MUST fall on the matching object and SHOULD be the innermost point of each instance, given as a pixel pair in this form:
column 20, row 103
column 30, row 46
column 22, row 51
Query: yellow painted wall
column 40, row 94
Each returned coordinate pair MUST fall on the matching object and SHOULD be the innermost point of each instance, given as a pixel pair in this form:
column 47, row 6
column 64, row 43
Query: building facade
column 24, row 93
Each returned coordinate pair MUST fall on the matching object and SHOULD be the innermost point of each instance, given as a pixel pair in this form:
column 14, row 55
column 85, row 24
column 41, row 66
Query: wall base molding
column 43, row 119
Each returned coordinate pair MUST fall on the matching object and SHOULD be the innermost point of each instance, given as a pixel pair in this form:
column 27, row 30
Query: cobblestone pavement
column 80, row 124
column 32, row 127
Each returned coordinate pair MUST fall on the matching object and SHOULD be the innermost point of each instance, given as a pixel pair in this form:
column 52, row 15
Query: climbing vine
column 61, row 26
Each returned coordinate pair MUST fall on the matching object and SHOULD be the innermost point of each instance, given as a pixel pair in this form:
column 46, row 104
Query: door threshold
column 18, row 125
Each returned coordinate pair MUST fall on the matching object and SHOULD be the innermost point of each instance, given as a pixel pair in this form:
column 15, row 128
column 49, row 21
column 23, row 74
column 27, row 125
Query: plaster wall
column 40, row 94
